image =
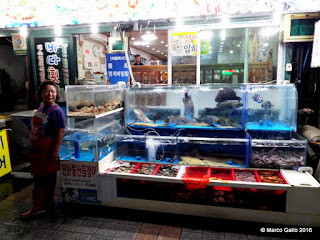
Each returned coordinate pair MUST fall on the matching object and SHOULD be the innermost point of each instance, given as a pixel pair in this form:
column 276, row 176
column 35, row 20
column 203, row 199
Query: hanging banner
column 5, row 165
column 315, row 58
column 117, row 68
column 52, row 60
column 19, row 44
column 184, row 44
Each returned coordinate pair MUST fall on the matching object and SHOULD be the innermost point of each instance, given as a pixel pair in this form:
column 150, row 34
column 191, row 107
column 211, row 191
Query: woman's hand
column 55, row 156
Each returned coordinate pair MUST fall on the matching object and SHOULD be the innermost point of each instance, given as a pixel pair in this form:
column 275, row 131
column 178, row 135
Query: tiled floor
column 76, row 221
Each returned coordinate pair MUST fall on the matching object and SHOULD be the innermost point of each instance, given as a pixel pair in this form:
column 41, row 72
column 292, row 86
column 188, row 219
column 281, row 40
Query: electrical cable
column 28, row 89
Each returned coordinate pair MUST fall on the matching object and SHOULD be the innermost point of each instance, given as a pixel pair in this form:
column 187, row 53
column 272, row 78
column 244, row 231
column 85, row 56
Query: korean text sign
column 117, row 68
column 52, row 60
column 5, row 165
column 184, row 44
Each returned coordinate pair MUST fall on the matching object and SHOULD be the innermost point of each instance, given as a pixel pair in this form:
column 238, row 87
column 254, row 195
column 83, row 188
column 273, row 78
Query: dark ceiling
column 5, row 41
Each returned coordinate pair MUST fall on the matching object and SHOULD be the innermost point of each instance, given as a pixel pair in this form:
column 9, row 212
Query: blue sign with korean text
column 117, row 68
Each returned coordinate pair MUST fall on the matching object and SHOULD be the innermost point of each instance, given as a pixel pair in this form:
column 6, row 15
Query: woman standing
column 45, row 139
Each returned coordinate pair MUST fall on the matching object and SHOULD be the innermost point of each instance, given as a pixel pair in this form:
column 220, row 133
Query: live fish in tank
column 212, row 120
column 229, row 104
column 257, row 98
column 267, row 105
column 141, row 116
column 188, row 106
column 226, row 94
column 175, row 120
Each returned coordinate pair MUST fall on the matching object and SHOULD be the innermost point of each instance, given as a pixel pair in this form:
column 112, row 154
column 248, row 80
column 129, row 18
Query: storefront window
column 223, row 57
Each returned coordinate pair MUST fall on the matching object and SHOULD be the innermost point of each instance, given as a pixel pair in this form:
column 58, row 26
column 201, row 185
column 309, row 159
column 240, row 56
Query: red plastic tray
column 256, row 176
column 196, row 177
column 222, row 174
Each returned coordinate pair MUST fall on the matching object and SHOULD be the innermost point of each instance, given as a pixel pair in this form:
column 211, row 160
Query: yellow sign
column 5, row 165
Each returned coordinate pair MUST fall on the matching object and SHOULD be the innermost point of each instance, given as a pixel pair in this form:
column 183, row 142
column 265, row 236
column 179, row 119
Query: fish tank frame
column 212, row 107
column 93, row 101
column 232, row 152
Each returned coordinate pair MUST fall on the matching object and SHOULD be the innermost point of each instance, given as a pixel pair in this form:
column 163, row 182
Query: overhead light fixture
column 231, row 51
column 162, row 53
column 147, row 46
column 94, row 28
column 58, row 41
column 153, row 49
column 133, row 38
column 57, row 30
column 162, row 42
column 179, row 22
column 225, row 19
column 158, row 51
column 205, row 34
column 149, row 36
column 24, row 31
column 166, row 45
column 223, row 35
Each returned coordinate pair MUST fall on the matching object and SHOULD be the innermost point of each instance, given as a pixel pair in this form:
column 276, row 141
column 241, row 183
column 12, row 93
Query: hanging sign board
column 117, row 68
column 5, row 165
column 184, row 44
column 315, row 58
column 19, row 44
column 52, row 60
column 79, row 181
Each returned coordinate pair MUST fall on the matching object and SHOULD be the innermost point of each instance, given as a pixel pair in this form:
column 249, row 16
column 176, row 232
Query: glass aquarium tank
column 194, row 151
column 279, row 150
column 93, row 100
column 203, row 107
column 90, row 143
column 271, row 107
column 143, row 148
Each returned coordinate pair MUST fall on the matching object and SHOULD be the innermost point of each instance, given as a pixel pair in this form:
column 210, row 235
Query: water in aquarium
column 93, row 100
column 271, row 107
column 87, row 146
column 205, row 107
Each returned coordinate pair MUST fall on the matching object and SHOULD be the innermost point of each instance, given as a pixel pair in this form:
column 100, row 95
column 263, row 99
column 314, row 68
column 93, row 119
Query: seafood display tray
column 135, row 170
column 219, row 178
column 95, row 116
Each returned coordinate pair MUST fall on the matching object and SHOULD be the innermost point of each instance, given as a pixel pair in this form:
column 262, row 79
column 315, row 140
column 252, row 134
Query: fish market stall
column 94, row 116
column 173, row 159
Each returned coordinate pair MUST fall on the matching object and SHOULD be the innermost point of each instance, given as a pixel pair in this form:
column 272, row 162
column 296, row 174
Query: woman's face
column 49, row 95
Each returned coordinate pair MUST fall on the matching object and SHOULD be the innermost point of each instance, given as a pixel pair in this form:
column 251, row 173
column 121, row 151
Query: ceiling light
column 149, row 36
column 179, row 22
column 24, row 31
column 57, row 30
column 205, row 34
column 153, row 49
column 162, row 53
column 231, row 51
column 147, row 46
column 58, row 41
column 94, row 28
column 166, row 55
column 238, row 45
column 162, row 42
column 225, row 19
column 166, row 45
column 133, row 38
column 158, row 51
column 223, row 35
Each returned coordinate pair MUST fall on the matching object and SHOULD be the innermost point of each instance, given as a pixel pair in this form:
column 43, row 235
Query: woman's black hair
column 43, row 86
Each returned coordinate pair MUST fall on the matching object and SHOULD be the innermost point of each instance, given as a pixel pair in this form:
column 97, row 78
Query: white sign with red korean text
column 78, row 174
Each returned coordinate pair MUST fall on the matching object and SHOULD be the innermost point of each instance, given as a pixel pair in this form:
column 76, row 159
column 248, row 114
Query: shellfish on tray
column 80, row 107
